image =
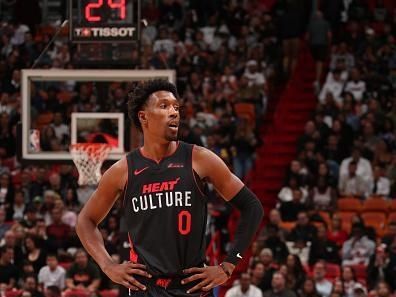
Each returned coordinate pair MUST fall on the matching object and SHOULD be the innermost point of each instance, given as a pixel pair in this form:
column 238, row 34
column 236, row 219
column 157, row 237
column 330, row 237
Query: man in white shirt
column 381, row 184
column 359, row 248
column 253, row 75
column 59, row 127
column 244, row 288
column 352, row 184
column 52, row 274
column 334, row 87
column 363, row 166
column 323, row 286
column 355, row 85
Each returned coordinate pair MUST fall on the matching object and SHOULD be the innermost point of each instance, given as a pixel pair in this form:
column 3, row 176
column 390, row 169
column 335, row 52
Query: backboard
column 61, row 107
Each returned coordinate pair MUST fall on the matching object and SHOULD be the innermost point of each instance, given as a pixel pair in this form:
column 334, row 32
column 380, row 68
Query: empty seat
column 332, row 271
column 349, row 204
column 375, row 204
column 346, row 219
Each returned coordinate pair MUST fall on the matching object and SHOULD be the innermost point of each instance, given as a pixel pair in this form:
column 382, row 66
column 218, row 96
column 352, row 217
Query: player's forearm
column 92, row 241
column 251, row 215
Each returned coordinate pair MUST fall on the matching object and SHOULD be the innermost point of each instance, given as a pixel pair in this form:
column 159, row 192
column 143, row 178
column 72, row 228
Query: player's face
column 161, row 116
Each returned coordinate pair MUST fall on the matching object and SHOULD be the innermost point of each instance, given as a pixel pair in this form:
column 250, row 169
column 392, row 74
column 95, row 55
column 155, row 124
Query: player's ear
column 142, row 117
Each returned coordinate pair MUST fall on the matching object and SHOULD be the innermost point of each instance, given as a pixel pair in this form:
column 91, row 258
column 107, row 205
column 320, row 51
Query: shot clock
column 114, row 21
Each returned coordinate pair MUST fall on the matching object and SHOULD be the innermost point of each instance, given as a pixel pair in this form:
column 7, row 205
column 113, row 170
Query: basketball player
column 164, row 206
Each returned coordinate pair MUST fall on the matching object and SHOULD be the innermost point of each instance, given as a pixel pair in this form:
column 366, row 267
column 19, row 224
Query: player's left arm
column 208, row 165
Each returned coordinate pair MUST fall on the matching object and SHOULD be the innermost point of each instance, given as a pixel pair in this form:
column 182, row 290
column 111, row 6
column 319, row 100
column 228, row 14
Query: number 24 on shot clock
column 114, row 21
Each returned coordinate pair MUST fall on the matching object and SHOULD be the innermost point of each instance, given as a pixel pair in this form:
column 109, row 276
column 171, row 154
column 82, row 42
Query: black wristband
column 225, row 270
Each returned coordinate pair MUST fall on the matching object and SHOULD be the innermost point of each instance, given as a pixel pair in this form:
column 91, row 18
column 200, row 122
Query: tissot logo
column 105, row 32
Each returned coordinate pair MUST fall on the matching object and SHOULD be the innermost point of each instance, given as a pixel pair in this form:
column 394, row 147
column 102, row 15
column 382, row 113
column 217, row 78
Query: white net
column 88, row 158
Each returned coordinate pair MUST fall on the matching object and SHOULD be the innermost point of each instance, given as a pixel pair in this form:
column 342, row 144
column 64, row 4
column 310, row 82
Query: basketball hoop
column 88, row 158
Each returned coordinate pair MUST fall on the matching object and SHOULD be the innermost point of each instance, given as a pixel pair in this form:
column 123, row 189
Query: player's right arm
column 94, row 211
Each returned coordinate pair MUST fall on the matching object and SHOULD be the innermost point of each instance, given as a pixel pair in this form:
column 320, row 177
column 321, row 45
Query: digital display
column 104, row 20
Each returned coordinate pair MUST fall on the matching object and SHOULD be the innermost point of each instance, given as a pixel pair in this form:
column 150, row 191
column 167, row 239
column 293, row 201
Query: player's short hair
column 142, row 92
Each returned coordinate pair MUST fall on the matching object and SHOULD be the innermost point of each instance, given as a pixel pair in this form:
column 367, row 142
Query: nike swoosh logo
column 137, row 172
column 239, row 256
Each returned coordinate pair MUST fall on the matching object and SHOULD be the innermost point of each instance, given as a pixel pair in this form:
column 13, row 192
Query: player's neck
column 157, row 150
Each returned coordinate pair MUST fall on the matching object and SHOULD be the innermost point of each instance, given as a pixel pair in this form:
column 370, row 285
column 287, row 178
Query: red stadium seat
column 391, row 217
column 349, row 204
column 108, row 293
column 375, row 204
column 332, row 271
column 377, row 220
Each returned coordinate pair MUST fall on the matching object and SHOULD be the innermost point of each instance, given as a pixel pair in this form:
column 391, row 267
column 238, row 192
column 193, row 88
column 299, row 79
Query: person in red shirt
column 335, row 232
column 57, row 232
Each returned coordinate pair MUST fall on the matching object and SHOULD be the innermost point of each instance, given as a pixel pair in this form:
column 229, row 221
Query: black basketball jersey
column 164, row 212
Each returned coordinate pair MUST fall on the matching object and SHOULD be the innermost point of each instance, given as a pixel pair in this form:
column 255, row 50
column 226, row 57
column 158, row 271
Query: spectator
column 266, row 258
column 61, row 130
column 358, row 249
column 319, row 36
column 390, row 235
column 17, row 208
column 363, row 169
column 295, row 272
column 323, row 286
column 333, row 88
column 68, row 217
column 381, row 184
column 382, row 266
column 6, row 191
column 10, row 241
column 275, row 220
column 303, row 231
column 52, row 291
column 308, row 289
column 286, row 193
column 52, row 274
column 349, row 280
column 8, row 271
column 338, row 287
column 30, row 286
column 244, row 288
column 34, row 252
column 322, row 248
column 275, row 243
column 342, row 53
column 382, row 289
column 257, row 273
column 58, row 232
column 352, row 184
column 244, row 144
column 323, row 196
column 83, row 276
column 336, row 233
column 278, row 287
column 3, row 225
column 355, row 85
column 291, row 209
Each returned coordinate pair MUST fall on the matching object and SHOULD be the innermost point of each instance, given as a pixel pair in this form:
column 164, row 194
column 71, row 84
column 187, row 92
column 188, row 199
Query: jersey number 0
column 184, row 220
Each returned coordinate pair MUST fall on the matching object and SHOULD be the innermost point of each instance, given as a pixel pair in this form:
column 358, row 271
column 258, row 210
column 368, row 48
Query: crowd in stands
column 332, row 232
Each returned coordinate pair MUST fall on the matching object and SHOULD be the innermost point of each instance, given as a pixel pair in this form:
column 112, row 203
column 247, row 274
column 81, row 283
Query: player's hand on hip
column 123, row 274
column 210, row 276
